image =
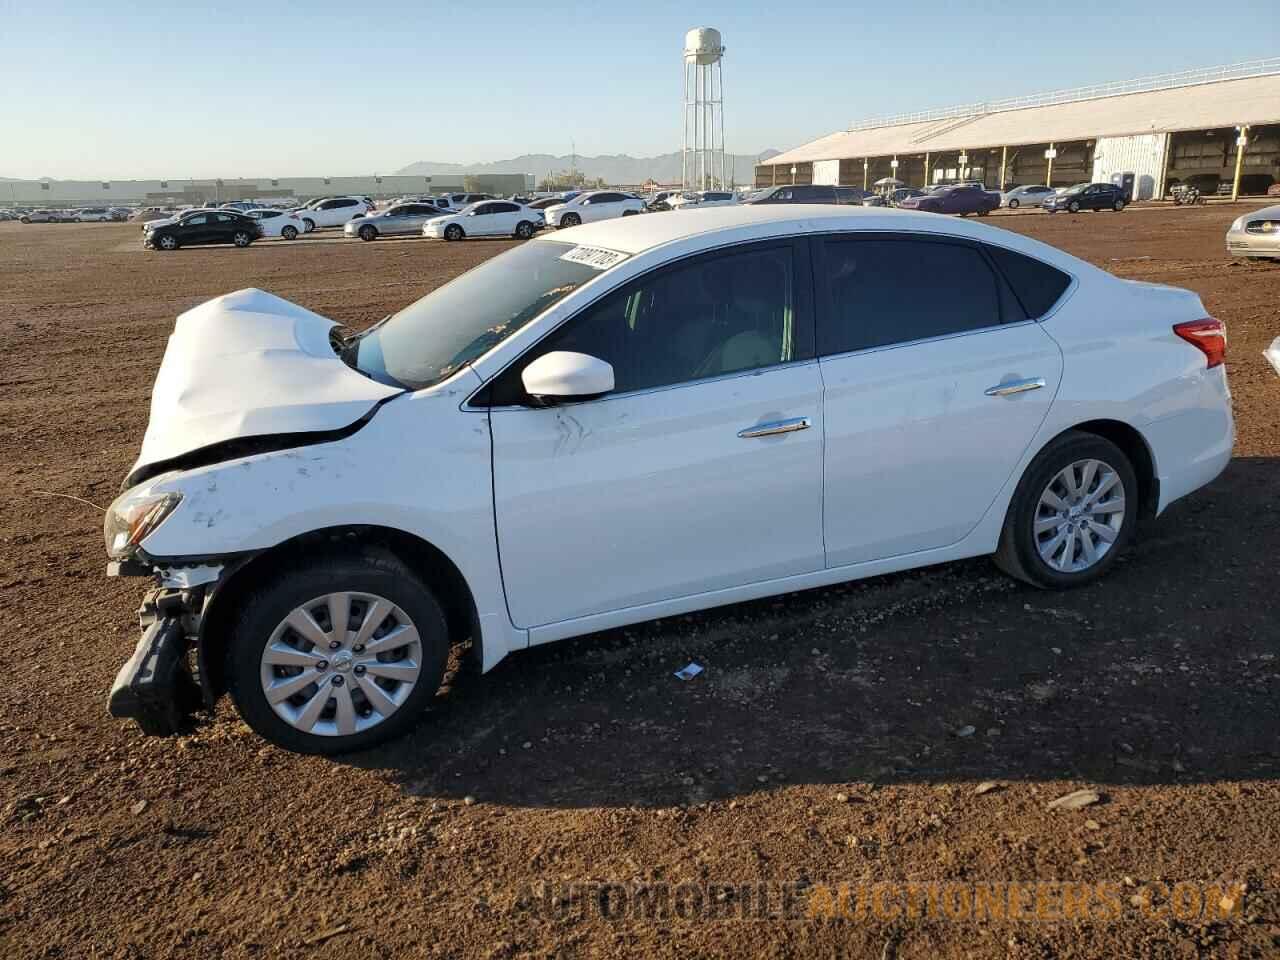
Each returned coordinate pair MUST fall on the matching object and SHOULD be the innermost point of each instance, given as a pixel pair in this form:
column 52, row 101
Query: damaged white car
column 630, row 420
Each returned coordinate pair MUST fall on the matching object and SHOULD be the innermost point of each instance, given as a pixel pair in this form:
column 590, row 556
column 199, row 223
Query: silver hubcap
column 166, row 242
column 1079, row 516
column 341, row 664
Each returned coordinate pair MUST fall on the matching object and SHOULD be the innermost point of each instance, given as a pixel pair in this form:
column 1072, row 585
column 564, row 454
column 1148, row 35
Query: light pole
column 793, row 174
column 1241, row 142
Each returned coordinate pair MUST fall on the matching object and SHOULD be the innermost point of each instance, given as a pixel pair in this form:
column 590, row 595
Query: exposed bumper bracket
column 154, row 687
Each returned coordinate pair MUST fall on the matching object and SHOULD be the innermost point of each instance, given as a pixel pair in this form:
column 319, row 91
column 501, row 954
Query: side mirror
column 563, row 376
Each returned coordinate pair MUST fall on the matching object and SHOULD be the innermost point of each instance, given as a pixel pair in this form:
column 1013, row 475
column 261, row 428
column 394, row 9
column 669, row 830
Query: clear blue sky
column 138, row 89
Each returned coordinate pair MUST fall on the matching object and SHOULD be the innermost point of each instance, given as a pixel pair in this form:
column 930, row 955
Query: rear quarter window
column 1037, row 285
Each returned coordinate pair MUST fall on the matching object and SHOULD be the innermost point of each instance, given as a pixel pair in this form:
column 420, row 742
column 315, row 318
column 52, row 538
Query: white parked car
column 592, row 206
column 277, row 223
column 490, row 218
column 634, row 420
column 331, row 211
column 93, row 215
column 701, row 199
column 1028, row 196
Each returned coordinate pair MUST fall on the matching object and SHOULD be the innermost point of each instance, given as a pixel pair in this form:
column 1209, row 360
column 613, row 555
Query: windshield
column 1078, row 188
column 429, row 340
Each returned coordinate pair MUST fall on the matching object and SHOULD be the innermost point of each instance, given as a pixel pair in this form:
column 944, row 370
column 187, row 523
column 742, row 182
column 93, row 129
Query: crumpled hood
column 250, row 364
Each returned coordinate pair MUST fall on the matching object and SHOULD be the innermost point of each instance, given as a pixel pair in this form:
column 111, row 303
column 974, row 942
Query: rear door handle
column 775, row 428
column 1014, row 386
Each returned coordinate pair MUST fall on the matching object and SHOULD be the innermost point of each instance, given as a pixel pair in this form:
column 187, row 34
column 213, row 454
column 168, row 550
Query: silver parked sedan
column 1256, row 234
column 404, row 219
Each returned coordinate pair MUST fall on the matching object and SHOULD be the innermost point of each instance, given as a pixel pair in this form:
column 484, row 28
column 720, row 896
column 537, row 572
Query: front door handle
column 1014, row 386
column 775, row 428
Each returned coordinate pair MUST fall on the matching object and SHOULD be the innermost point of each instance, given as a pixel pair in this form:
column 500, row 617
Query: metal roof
column 1176, row 106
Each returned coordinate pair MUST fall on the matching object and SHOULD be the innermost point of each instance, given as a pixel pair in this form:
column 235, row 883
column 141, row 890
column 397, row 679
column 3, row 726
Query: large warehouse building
column 1214, row 126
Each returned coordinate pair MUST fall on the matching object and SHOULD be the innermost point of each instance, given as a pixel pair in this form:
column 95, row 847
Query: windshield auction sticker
column 598, row 258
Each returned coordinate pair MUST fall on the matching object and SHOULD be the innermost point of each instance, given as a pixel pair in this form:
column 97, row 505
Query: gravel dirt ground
column 837, row 735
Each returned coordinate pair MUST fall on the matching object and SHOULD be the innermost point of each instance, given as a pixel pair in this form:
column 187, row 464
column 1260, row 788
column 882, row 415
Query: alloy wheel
column 168, row 243
column 1079, row 516
column 341, row 664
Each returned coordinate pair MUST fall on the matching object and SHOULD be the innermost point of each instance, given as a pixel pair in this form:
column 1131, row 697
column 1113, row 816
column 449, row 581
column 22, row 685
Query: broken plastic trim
column 238, row 447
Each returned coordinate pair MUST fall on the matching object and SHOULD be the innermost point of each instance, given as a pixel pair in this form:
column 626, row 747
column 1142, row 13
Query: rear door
column 701, row 471
column 936, row 381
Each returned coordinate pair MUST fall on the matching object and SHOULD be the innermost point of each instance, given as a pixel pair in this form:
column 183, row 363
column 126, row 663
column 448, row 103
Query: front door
column 700, row 472
column 936, row 383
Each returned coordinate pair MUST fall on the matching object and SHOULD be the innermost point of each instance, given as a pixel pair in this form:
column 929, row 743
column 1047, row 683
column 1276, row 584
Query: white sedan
column 702, row 199
column 632, row 420
column 1028, row 196
column 278, row 223
column 592, row 206
column 489, row 218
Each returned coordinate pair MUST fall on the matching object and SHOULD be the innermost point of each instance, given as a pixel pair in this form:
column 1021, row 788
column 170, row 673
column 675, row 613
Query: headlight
column 1239, row 224
column 133, row 517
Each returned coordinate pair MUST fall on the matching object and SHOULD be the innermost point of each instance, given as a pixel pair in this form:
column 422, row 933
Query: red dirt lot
column 837, row 736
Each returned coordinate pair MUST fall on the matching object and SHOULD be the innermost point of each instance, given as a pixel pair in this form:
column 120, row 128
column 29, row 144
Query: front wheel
column 1074, row 206
column 289, row 233
column 337, row 655
column 1013, row 204
column 524, row 230
column 167, row 242
column 570, row 220
column 1072, row 514
column 367, row 233
column 1118, row 206
column 26, row 219
column 630, row 213
column 453, row 232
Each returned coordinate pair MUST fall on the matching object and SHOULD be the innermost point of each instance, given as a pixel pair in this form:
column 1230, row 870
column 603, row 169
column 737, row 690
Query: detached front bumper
column 157, row 686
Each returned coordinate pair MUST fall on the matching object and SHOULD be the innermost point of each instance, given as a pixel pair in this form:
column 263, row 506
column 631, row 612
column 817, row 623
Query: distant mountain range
column 613, row 168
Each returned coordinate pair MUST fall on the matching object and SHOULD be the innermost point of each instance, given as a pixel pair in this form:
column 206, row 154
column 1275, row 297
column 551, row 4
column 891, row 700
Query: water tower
column 702, row 158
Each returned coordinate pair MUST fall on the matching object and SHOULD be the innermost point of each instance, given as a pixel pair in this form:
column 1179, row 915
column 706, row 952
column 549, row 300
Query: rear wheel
column 1073, row 513
column 524, row 229
column 289, row 233
column 453, row 232
column 241, row 238
column 367, row 233
column 337, row 655
column 308, row 224
column 630, row 213
column 1118, row 206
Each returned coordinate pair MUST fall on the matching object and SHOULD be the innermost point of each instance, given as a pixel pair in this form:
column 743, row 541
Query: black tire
column 26, row 219
column 369, row 570
column 454, row 232
column 367, row 233
column 289, row 233
column 1118, row 206
column 308, row 223
column 166, row 241
column 1017, row 554
column 983, row 213
column 241, row 238
column 1074, row 206
column 570, row 220
column 1013, row 204
column 630, row 213
column 524, row 230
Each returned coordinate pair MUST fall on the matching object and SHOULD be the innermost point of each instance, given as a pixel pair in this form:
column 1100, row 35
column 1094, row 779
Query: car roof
column 637, row 234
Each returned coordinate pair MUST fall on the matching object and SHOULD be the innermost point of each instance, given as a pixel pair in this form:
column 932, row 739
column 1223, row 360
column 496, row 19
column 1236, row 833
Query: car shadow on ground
column 1164, row 672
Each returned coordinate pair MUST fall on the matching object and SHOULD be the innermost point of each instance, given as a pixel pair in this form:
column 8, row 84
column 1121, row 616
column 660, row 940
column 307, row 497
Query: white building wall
column 1142, row 154
column 826, row 171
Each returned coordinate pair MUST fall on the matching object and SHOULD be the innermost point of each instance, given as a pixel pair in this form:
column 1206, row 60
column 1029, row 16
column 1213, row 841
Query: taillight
column 1209, row 336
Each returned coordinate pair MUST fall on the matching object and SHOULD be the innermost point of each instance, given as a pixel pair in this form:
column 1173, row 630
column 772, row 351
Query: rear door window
column 889, row 289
